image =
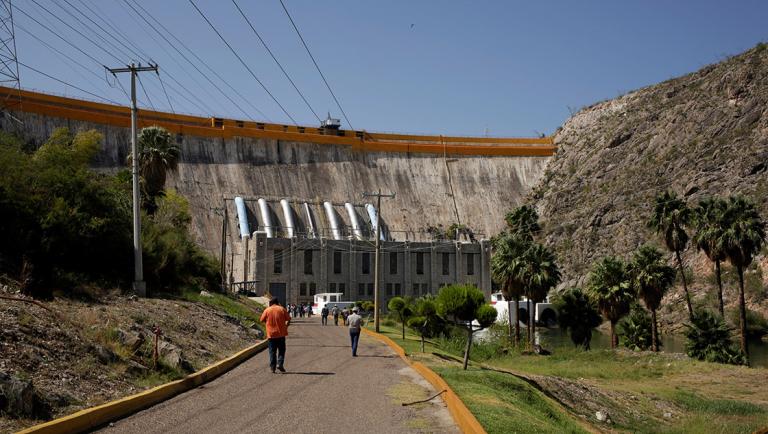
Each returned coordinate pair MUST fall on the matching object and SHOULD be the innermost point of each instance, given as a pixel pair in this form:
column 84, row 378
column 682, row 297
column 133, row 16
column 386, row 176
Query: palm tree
column 540, row 273
column 670, row 216
column 157, row 157
column 743, row 238
column 708, row 219
column 506, row 269
column 610, row 286
column 652, row 278
column 523, row 221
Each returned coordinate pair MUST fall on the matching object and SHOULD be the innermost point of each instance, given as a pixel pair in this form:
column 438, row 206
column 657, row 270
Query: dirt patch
column 80, row 354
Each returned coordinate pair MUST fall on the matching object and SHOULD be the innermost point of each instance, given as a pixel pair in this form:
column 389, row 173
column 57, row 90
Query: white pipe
column 374, row 221
column 288, row 217
column 242, row 217
column 332, row 220
column 353, row 220
column 264, row 208
column 310, row 221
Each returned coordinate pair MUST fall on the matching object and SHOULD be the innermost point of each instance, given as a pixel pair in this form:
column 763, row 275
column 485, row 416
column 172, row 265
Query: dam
column 438, row 181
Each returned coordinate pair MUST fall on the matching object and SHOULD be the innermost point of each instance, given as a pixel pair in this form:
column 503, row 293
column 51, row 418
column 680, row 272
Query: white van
column 330, row 299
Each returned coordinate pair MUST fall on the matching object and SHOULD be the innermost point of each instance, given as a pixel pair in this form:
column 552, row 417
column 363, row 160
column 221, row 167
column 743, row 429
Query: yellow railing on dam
column 119, row 116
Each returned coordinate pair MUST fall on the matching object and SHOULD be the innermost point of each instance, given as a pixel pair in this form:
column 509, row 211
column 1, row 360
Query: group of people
column 277, row 319
column 300, row 310
column 336, row 313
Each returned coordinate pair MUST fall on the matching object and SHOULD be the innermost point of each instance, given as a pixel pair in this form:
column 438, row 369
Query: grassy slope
column 699, row 397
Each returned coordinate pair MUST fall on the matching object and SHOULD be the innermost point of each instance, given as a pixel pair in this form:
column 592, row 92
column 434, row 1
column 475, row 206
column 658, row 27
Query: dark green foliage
column 578, row 315
column 652, row 278
column 463, row 304
column 402, row 308
column 62, row 225
column 709, row 338
column 635, row 330
column 610, row 286
column 425, row 319
column 523, row 221
column 157, row 156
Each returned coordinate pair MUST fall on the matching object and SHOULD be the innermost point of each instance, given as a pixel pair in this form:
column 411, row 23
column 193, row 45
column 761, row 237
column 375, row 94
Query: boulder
column 171, row 355
column 104, row 354
column 131, row 340
column 19, row 398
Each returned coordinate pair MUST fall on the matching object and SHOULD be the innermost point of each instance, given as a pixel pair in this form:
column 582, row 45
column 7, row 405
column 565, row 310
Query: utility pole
column 139, row 286
column 378, row 249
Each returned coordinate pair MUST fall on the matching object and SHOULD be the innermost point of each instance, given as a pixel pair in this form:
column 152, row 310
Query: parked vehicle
column 330, row 299
column 546, row 313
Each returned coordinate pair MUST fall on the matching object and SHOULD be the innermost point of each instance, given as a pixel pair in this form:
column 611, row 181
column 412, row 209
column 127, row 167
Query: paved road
column 324, row 390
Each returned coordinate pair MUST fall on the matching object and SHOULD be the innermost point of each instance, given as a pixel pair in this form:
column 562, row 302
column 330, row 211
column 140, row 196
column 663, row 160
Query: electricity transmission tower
column 9, row 63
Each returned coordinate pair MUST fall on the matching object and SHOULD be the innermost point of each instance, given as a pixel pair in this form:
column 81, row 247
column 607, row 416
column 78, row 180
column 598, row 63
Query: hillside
column 702, row 134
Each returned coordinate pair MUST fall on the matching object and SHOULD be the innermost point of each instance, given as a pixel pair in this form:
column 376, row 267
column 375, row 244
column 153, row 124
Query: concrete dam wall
column 433, row 187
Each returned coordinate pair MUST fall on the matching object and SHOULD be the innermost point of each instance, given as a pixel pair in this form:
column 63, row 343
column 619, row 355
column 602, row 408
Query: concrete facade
column 296, row 269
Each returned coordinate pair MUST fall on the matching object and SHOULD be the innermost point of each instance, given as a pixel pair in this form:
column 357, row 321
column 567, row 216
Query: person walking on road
column 355, row 322
column 335, row 313
column 324, row 315
column 277, row 320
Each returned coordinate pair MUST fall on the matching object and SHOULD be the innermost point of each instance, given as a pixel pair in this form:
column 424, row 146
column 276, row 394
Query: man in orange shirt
column 277, row 320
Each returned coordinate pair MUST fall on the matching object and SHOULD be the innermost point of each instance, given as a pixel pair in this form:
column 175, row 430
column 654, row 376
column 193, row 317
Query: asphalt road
column 324, row 390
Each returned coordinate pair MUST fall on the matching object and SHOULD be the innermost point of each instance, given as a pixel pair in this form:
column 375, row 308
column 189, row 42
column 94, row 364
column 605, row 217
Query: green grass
column 242, row 308
column 696, row 403
column 505, row 404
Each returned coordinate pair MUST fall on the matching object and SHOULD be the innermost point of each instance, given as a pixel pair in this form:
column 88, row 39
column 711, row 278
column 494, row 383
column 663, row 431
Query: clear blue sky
column 502, row 68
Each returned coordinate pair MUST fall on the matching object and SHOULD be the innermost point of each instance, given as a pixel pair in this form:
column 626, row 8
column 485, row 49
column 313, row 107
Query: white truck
column 330, row 299
column 545, row 312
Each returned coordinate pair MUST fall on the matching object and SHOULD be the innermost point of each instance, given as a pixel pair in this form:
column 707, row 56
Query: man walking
column 277, row 320
column 335, row 313
column 324, row 315
column 355, row 322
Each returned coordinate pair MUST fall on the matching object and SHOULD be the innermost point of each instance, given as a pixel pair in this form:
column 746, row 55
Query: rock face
column 699, row 135
column 19, row 398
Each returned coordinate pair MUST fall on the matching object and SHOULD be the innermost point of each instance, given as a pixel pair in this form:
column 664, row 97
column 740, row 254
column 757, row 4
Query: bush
column 709, row 338
column 578, row 314
column 635, row 330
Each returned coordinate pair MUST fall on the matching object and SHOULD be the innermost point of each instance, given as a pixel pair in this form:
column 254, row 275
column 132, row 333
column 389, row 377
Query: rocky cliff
column 699, row 135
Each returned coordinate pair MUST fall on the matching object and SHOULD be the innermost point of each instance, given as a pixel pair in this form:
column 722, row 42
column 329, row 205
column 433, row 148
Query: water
column 553, row 339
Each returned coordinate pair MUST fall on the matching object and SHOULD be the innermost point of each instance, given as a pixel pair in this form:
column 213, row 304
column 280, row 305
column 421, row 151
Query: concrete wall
column 484, row 188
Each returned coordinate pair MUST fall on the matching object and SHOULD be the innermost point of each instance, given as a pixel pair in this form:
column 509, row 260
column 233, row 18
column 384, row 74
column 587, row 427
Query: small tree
column 743, row 238
column 462, row 305
column 157, row 156
column 709, row 338
column 540, row 274
column 578, row 315
column 425, row 320
column 709, row 223
column 523, row 221
column 507, row 270
column 399, row 305
column 610, row 286
column 652, row 278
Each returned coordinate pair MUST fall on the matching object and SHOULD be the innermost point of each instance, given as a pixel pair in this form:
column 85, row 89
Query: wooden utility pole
column 378, row 196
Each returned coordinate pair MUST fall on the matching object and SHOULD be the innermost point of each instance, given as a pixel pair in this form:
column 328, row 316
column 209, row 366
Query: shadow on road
column 375, row 355
column 309, row 373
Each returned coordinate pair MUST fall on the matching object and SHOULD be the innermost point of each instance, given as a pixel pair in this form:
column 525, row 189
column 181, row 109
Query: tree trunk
column 402, row 321
column 422, row 341
column 510, row 328
column 530, row 318
column 685, row 284
column 533, row 327
column 517, row 321
column 654, row 332
column 743, row 314
column 469, row 345
column 719, row 288
column 614, row 338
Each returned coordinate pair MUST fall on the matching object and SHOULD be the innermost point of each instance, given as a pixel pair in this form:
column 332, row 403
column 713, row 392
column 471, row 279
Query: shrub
column 635, row 330
column 578, row 315
column 709, row 338
column 464, row 304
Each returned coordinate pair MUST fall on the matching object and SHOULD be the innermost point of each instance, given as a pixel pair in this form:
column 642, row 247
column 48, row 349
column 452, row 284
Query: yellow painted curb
column 93, row 417
column 460, row 413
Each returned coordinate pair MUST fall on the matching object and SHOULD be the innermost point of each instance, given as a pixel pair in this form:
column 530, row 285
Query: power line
column 77, row 31
column 203, row 62
column 243, row 63
column 68, row 84
column 103, row 17
column 166, row 93
column 275, row 59
column 338, row 104
column 187, row 59
column 143, row 89
column 84, row 25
